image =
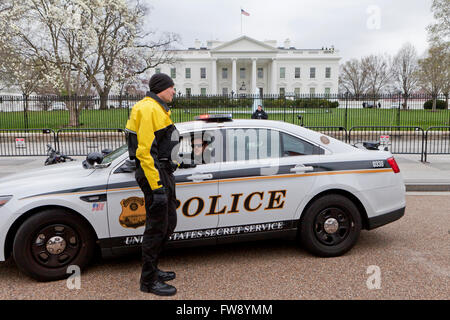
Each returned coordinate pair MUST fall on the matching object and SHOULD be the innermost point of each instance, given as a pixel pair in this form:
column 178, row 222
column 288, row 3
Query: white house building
column 248, row 66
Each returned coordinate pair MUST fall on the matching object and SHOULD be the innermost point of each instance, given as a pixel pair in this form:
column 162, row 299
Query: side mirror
column 94, row 158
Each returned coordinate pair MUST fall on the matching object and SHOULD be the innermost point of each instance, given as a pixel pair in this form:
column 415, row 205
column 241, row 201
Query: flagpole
column 241, row 21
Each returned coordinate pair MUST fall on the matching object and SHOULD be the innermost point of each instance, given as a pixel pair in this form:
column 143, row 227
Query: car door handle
column 301, row 168
column 196, row 177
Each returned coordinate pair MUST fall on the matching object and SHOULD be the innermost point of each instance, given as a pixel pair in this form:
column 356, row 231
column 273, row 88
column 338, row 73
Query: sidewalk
column 434, row 175
column 431, row 176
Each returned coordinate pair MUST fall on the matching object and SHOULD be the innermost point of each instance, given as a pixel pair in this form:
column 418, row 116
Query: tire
column 341, row 231
column 39, row 251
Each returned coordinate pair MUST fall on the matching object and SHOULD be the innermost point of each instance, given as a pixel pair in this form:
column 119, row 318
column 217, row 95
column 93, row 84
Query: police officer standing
column 260, row 114
column 151, row 138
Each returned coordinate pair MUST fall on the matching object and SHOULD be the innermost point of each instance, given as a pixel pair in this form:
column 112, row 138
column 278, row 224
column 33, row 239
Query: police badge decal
column 133, row 212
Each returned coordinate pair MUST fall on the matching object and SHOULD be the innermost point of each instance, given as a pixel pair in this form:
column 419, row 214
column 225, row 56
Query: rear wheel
column 330, row 226
column 50, row 241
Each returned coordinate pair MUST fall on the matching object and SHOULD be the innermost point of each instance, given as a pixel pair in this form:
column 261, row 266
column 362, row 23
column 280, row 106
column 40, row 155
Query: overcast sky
column 355, row 27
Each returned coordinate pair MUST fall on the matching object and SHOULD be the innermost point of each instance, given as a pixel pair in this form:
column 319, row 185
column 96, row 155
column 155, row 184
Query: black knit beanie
column 160, row 82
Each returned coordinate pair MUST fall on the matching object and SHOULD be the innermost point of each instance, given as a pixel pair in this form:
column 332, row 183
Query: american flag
column 245, row 13
column 98, row 206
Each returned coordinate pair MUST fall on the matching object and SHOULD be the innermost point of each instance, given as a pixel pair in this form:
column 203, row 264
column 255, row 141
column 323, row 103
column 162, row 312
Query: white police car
column 255, row 179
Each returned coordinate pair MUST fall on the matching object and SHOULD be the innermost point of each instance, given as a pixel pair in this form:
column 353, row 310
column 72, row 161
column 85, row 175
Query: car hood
column 47, row 177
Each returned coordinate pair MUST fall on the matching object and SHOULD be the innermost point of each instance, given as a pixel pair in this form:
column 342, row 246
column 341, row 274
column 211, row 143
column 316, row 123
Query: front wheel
column 50, row 241
column 330, row 226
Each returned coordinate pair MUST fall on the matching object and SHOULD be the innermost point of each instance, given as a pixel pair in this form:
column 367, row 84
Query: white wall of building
column 248, row 53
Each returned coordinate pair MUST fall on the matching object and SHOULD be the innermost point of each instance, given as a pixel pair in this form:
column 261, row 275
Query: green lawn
column 116, row 118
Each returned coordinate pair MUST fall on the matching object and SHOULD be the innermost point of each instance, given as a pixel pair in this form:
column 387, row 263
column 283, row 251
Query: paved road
column 413, row 256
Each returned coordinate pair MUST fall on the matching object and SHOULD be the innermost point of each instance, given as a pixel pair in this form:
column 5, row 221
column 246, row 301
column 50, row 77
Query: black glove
column 159, row 197
column 187, row 165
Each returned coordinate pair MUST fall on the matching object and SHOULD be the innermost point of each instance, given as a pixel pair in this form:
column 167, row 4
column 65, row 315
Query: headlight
column 4, row 200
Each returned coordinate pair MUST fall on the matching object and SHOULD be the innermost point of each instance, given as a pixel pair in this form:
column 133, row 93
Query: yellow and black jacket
column 152, row 137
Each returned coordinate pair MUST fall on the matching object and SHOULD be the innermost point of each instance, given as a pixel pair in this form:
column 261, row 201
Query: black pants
column 160, row 222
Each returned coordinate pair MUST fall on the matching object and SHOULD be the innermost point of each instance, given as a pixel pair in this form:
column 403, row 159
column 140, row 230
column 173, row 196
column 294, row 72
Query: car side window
column 251, row 144
column 201, row 147
column 293, row 146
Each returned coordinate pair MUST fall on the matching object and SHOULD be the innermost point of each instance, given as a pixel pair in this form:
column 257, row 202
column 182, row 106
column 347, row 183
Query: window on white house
column 282, row 73
column 203, row 91
column 157, row 70
column 225, row 91
column 260, row 73
column 297, row 73
column 224, row 73
column 188, row 91
column 202, row 73
column 328, row 73
column 312, row 91
column 312, row 73
column 282, row 91
column 242, row 73
column 188, row 73
column 173, row 73
column 297, row 91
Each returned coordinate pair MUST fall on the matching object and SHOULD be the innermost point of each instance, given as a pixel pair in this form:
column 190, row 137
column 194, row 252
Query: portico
column 240, row 75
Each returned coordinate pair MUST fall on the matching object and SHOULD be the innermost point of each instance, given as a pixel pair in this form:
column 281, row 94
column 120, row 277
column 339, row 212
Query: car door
column 126, row 207
column 264, row 178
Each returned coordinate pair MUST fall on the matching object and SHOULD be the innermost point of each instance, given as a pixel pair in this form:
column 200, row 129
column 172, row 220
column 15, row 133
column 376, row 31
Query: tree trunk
column 446, row 101
column 73, row 113
column 433, row 108
column 405, row 103
column 104, row 98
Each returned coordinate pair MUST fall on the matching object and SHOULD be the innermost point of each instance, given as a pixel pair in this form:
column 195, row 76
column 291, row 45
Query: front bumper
column 386, row 218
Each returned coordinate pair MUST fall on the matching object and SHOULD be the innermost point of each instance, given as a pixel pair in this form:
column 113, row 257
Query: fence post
column 128, row 106
column 25, row 111
column 399, row 105
column 346, row 110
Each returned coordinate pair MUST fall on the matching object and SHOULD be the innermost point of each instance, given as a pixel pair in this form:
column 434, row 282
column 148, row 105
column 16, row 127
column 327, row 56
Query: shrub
column 225, row 102
column 440, row 104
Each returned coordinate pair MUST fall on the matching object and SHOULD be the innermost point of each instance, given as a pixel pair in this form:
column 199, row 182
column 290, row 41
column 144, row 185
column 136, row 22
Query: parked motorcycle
column 54, row 156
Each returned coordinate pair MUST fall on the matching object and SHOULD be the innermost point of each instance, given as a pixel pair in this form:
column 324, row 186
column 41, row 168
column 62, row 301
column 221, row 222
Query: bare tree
column 378, row 76
column 433, row 72
column 404, row 71
column 353, row 78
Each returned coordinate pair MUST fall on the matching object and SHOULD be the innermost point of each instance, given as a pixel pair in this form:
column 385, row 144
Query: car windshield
column 115, row 154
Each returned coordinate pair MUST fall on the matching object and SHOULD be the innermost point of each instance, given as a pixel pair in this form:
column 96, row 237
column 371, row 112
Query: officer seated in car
column 198, row 147
column 202, row 151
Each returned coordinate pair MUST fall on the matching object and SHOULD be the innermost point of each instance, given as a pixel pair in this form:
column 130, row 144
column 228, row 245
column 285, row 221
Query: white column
column 273, row 81
column 254, row 88
column 233, row 76
column 214, row 76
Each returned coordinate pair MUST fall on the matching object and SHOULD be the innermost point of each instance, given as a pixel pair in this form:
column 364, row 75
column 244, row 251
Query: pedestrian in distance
column 152, row 138
column 260, row 114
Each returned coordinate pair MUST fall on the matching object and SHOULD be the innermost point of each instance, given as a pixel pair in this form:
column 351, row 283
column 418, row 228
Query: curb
column 428, row 187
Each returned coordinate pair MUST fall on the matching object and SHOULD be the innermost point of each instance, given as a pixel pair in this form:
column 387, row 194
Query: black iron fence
column 397, row 139
column 73, row 142
column 437, row 141
column 412, row 124
column 34, row 112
